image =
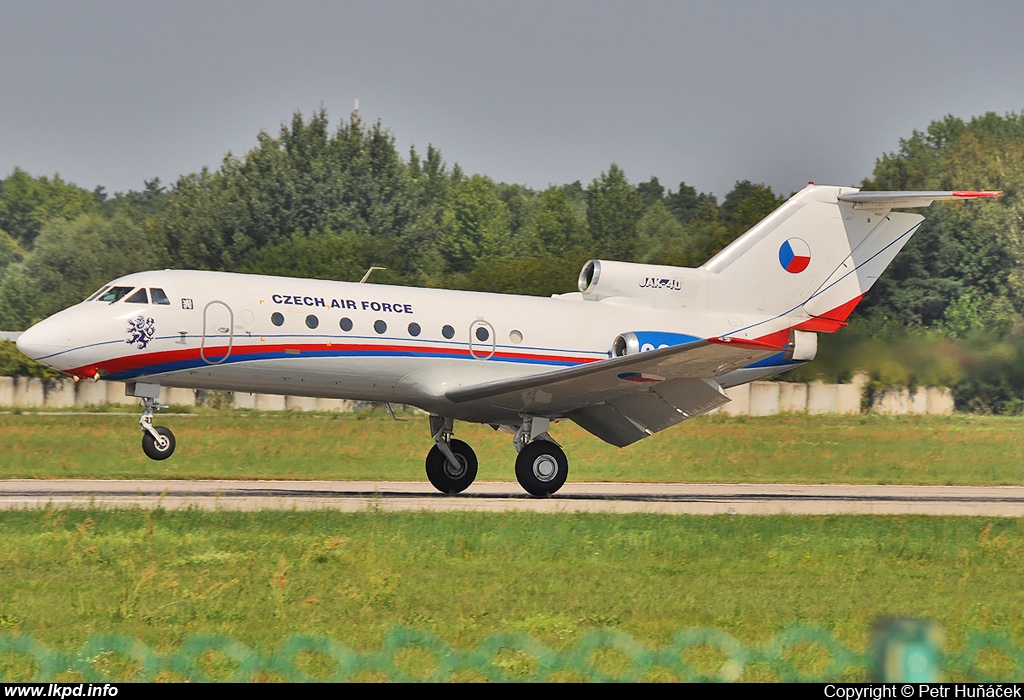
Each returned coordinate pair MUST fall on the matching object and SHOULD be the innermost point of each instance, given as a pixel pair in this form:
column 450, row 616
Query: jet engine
column 656, row 285
column 644, row 341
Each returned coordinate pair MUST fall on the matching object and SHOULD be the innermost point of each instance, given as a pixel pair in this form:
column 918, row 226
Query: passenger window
column 380, row 327
column 139, row 297
column 277, row 319
column 414, row 329
column 312, row 322
column 114, row 293
column 482, row 334
column 346, row 324
column 96, row 294
column 159, row 297
column 448, row 332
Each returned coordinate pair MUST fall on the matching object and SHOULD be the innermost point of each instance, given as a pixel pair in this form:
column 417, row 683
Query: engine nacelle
column 645, row 341
column 655, row 285
column 803, row 346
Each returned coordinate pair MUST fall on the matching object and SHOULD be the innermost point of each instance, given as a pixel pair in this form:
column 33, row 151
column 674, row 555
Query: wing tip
column 974, row 194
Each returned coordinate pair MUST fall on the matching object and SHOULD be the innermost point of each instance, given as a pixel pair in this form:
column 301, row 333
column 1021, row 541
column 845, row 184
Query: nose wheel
column 157, row 441
column 159, row 447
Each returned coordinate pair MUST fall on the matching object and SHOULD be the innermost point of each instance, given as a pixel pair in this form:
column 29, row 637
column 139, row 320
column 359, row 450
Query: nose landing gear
column 157, row 441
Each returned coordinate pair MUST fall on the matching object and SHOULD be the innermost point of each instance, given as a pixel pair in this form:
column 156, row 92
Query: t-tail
column 816, row 256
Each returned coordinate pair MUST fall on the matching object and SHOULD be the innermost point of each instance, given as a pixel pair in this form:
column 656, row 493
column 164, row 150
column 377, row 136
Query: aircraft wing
column 625, row 399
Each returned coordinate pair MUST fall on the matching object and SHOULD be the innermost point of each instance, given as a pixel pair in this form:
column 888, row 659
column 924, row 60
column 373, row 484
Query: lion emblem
column 140, row 331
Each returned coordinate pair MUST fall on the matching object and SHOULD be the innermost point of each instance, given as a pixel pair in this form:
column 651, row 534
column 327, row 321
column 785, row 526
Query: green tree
column 476, row 226
column 343, row 256
column 27, row 203
column 613, row 211
column 683, row 202
column 558, row 223
column 662, row 239
column 746, row 204
column 650, row 192
column 707, row 234
column 972, row 247
column 10, row 251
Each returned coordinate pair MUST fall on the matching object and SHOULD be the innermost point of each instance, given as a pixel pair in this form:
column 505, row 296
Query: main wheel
column 452, row 478
column 541, row 468
column 155, row 450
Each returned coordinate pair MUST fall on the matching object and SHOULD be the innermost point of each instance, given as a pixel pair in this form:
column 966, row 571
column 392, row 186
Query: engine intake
column 654, row 285
column 644, row 341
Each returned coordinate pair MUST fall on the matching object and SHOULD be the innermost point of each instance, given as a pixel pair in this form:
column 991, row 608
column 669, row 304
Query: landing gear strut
column 157, row 441
column 541, row 467
column 451, row 464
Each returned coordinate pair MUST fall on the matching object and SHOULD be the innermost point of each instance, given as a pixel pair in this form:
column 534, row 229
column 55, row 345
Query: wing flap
column 608, row 424
column 624, row 419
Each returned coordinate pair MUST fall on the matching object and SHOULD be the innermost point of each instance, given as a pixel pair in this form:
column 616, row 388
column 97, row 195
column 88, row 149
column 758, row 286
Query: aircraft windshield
column 138, row 298
column 114, row 293
column 98, row 292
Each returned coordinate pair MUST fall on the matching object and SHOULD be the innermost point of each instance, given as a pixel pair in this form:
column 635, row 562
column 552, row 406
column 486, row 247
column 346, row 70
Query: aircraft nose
column 43, row 339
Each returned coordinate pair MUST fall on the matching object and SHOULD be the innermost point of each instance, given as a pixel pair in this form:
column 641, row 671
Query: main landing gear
column 541, row 466
column 451, row 464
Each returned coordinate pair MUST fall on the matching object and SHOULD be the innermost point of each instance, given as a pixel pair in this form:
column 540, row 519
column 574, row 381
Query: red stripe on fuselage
column 253, row 352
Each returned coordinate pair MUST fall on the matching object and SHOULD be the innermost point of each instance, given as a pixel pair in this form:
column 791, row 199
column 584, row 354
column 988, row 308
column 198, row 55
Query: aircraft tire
column 154, row 451
column 542, row 468
column 447, row 478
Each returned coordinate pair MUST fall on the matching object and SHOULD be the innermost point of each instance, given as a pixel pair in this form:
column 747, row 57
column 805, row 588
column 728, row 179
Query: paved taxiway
column 505, row 496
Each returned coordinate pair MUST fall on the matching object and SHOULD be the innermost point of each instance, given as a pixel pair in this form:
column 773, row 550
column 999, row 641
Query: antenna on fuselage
column 370, row 271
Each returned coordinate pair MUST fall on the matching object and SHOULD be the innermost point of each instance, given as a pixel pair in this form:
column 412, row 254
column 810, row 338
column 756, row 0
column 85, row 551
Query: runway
column 708, row 499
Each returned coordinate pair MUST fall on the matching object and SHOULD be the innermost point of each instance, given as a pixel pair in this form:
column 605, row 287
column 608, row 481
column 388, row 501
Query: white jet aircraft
column 637, row 349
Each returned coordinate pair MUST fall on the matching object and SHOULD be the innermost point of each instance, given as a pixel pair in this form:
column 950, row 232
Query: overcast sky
column 115, row 93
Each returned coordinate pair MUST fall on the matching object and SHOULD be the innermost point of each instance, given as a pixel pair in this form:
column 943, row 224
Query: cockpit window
column 114, row 293
column 159, row 297
column 98, row 292
column 139, row 297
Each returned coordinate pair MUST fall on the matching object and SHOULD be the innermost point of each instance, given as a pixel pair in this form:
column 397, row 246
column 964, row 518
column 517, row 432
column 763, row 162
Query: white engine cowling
column 644, row 341
column 656, row 285
column 803, row 346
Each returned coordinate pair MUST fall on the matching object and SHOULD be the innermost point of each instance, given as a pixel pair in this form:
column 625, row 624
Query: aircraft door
column 218, row 333
column 482, row 341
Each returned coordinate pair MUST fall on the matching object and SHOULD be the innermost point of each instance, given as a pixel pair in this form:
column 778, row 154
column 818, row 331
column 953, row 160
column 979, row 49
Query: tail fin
column 821, row 250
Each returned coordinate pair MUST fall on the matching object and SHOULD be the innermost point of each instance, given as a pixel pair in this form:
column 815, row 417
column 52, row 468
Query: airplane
column 637, row 349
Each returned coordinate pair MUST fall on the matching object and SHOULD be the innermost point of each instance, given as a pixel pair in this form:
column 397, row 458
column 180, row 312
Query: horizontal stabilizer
column 897, row 200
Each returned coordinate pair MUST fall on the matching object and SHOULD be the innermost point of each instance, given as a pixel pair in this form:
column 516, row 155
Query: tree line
column 328, row 202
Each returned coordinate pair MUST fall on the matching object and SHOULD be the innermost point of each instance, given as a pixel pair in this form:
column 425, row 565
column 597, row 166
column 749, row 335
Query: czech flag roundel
column 795, row 255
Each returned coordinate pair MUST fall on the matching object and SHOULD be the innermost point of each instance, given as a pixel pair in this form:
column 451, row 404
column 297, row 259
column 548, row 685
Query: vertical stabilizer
column 818, row 253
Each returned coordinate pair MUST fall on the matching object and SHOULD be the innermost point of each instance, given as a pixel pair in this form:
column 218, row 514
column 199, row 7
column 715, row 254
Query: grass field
column 259, row 577
column 868, row 449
